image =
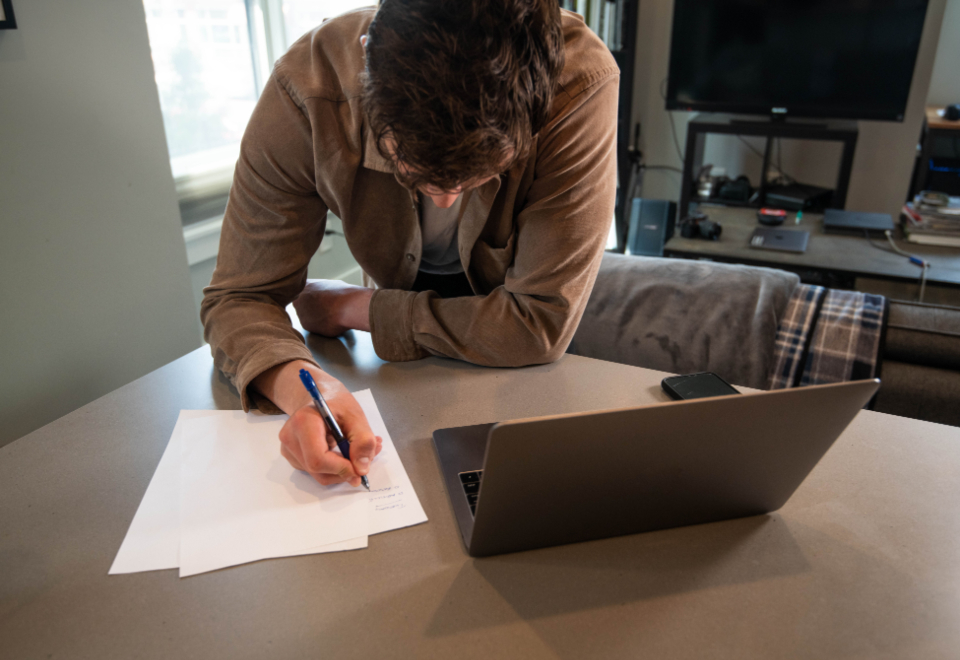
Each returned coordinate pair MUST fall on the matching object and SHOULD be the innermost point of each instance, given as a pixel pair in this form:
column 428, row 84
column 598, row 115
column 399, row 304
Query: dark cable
column 914, row 259
column 673, row 127
column 750, row 146
column 757, row 152
column 676, row 142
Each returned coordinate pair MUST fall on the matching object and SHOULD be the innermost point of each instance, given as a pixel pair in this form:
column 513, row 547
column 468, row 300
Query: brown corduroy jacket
column 530, row 240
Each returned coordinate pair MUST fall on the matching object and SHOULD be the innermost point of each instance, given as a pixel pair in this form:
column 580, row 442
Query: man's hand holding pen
column 306, row 442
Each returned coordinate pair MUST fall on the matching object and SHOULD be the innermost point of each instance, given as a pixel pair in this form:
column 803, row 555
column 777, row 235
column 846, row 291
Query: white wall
column 94, row 285
column 945, row 82
column 885, row 153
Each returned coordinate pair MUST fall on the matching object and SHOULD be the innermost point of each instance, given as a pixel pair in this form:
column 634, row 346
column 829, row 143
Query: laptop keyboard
column 471, row 488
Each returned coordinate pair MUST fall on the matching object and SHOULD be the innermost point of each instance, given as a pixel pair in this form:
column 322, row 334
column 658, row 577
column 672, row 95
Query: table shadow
column 355, row 349
column 585, row 576
column 347, row 350
column 225, row 395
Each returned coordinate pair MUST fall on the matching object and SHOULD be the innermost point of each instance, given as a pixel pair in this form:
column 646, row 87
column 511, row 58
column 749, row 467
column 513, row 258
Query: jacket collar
column 476, row 203
column 476, row 206
column 372, row 160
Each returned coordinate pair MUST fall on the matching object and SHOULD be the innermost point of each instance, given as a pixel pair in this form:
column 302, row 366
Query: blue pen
column 331, row 423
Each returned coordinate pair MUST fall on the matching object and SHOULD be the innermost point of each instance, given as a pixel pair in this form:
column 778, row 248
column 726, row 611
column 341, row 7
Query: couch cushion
column 920, row 392
column 923, row 334
column 684, row 316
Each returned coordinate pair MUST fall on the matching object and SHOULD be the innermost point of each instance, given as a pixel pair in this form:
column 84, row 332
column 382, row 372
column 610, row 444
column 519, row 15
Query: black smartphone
column 696, row 386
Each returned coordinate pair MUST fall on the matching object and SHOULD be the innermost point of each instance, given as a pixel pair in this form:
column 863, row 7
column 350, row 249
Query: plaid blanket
column 828, row 336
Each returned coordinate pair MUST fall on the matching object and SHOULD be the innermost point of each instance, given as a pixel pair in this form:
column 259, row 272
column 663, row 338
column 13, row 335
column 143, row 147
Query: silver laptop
column 535, row 483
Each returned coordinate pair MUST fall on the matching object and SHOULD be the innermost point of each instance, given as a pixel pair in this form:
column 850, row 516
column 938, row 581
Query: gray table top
column 863, row 560
column 831, row 252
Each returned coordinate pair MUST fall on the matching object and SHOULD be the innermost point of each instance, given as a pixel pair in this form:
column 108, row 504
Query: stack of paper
column 932, row 224
column 223, row 495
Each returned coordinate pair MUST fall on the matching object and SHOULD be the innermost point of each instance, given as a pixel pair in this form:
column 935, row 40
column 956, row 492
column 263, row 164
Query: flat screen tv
column 850, row 59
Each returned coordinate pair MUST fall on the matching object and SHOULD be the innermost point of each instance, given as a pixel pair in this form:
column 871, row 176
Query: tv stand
column 705, row 123
column 780, row 120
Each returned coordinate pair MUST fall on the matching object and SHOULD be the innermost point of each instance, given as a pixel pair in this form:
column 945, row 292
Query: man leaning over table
column 468, row 148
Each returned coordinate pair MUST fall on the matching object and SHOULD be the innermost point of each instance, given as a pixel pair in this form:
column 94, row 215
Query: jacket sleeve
column 561, row 232
column 273, row 225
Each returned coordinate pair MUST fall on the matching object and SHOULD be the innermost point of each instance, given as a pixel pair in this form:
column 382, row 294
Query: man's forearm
column 281, row 384
column 355, row 314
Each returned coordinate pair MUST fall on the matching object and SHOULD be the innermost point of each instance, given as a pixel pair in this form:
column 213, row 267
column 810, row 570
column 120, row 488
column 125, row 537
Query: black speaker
column 651, row 225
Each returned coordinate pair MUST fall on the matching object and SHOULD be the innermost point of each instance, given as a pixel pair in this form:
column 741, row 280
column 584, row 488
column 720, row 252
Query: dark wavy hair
column 458, row 88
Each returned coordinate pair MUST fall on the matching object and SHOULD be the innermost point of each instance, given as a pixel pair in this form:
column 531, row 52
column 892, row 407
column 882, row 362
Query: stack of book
column 605, row 17
column 932, row 224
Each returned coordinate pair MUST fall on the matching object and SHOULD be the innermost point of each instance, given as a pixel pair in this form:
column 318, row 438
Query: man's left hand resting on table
column 331, row 307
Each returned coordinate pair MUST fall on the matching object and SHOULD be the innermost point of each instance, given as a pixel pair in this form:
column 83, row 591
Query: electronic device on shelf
column 737, row 190
column 857, row 223
column 783, row 240
column 771, row 217
column 651, row 225
column 784, row 58
column 798, row 196
column 698, row 225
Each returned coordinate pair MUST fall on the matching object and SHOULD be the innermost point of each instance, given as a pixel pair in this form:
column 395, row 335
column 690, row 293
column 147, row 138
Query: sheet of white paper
column 240, row 500
column 394, row 503
column 153, row 541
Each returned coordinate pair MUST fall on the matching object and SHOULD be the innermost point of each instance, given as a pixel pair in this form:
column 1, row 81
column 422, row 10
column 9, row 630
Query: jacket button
column 411, row 258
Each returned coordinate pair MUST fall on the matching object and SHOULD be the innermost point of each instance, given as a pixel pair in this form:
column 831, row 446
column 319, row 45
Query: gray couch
column 686, row 316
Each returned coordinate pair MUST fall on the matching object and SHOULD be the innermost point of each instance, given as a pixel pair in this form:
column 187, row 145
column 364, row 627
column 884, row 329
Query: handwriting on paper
column 385, row 499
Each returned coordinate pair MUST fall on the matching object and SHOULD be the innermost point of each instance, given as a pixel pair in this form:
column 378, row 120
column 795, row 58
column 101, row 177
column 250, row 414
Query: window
column 211, row 59
column 301, row 16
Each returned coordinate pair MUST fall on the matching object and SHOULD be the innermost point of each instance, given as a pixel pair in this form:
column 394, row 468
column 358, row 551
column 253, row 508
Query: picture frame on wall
column 7, row 21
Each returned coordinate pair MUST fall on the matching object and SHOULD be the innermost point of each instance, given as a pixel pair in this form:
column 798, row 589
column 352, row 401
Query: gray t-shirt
column 441, row 254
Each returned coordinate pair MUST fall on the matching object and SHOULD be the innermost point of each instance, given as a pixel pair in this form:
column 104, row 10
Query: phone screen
column 697, row 386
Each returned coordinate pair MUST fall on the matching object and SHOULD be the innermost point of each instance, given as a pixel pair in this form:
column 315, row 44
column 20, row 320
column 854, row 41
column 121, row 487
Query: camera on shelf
column 698, row 225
